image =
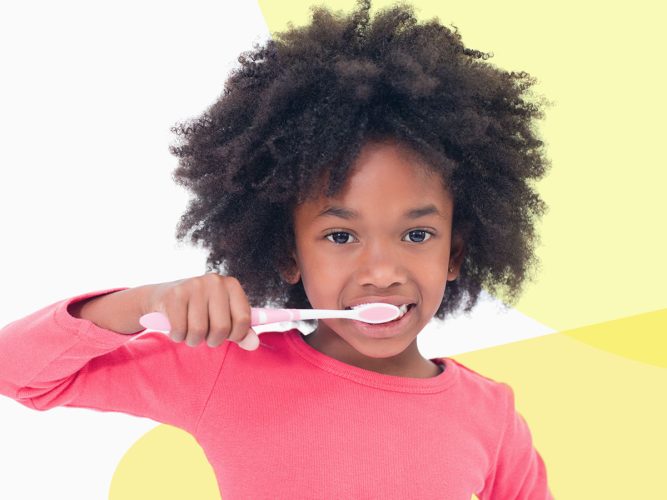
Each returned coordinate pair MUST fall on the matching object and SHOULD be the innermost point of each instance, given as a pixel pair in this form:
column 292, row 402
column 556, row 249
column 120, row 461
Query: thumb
column 250, row 342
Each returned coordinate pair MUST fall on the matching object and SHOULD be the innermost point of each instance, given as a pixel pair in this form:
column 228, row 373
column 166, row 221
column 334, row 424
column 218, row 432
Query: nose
column 380, row 266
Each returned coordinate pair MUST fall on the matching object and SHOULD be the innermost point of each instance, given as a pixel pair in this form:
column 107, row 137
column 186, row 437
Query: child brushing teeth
column 351, row 161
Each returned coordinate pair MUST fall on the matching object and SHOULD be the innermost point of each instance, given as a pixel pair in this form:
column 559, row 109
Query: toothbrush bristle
column 379, row 312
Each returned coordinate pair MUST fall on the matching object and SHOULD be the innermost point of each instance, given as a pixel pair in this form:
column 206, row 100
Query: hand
column 211, row 307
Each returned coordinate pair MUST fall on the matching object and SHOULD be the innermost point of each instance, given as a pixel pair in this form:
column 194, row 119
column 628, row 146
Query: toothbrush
column 376, row 312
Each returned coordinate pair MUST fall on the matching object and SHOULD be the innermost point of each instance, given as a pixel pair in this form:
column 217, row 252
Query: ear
column 456, row 254
column 293, row 274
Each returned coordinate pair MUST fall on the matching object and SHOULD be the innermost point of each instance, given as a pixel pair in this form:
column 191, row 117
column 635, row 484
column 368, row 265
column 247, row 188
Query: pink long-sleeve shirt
column 285, row 421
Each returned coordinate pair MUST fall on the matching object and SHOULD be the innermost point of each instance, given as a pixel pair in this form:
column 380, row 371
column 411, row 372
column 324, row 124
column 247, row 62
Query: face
column 386, row 235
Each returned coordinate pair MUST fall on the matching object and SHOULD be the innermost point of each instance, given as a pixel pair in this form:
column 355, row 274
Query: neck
column 408, row 363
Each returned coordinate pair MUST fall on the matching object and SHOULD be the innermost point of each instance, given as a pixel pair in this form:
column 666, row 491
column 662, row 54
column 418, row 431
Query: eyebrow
column 345, row 213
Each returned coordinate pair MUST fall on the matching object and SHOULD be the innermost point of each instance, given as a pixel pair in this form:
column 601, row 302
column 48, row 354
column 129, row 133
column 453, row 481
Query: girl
column 349, row 161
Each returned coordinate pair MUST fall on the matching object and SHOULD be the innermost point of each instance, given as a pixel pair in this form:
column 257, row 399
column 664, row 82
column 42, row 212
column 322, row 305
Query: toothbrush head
column 377, row 312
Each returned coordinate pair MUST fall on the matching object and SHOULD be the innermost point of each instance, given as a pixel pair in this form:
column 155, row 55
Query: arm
column 118, row 311
column 519, row 471
column 52, row 358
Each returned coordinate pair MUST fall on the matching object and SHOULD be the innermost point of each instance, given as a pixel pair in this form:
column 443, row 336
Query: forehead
column 386, row 179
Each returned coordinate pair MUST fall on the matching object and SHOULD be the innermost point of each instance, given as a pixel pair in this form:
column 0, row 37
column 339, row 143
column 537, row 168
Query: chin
column 380, row 348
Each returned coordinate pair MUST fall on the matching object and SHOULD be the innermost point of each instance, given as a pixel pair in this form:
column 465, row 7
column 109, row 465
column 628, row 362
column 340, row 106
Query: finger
column 219, row 317
column 197, row 320
column 239, row 310
column 176, row 310
column 251, row 341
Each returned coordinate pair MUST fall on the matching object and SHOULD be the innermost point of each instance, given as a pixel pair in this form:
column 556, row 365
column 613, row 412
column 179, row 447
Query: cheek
column 432, row 279
column 318, row 270
column 322, row 283
column 432, row 270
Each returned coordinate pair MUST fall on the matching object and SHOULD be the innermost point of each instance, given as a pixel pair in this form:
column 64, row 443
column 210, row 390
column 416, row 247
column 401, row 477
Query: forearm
column 117, row 311
column 43, row 353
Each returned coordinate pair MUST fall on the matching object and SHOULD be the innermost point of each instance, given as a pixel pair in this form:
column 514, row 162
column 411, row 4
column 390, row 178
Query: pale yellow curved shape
column 166, row 463
column 594, row 396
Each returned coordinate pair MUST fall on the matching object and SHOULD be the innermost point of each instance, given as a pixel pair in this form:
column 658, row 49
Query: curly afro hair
column 303, row 105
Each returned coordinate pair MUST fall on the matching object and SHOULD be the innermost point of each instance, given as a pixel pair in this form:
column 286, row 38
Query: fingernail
column 250, row 342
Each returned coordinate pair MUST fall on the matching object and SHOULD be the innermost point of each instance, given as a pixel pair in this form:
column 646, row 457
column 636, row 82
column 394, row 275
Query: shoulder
column 481, row 389
column 470, row 376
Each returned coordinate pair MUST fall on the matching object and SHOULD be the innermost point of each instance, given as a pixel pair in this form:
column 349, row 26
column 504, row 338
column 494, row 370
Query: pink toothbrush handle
column 155, row 321
column 260, row 316
column 264, row 315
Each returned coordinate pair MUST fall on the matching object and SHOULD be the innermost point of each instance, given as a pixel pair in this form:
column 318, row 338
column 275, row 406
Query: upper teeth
column 402, row 308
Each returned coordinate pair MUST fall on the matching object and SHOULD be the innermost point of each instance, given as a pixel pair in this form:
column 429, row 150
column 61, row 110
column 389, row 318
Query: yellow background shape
column 166, row 463
column 593, row 397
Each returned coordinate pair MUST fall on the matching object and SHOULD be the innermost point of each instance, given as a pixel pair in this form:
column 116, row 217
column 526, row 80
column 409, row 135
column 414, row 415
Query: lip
column 385, row 330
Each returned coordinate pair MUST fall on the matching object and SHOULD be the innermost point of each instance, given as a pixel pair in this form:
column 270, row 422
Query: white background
column 88, row 95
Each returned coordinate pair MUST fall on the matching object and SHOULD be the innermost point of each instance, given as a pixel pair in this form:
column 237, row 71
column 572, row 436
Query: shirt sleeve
column 519, row 472
column 50, row 358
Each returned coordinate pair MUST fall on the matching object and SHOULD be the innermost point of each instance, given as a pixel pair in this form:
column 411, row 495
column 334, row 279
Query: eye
column 339, row 237
column 420, row 235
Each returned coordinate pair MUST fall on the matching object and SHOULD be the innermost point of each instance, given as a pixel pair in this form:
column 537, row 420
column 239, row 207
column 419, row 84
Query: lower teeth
column 401, row 316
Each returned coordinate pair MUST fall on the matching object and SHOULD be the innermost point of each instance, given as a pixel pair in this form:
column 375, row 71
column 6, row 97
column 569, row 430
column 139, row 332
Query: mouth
column 388, row 329
column 403, row 309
